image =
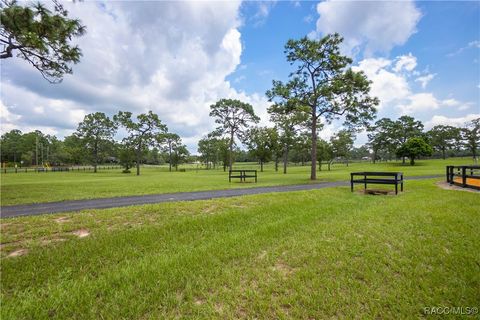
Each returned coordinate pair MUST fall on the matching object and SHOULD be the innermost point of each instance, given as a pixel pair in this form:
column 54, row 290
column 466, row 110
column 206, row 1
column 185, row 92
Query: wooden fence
column 464, row 176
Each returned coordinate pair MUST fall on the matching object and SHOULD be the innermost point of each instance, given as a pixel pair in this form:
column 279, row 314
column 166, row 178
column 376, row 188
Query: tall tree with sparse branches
column 288, row 119
column 141, row 133
column 41, row 37
column 323, row 83
column 234, row 117
column 95, row 131
column 471, row 137
column 443, row 138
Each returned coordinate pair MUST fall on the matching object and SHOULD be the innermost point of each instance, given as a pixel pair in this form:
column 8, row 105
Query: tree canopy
column 96, row 130
column 234, row 117
column 413, row 148
column 141, row 133
column 41, row 37
column 324, row 85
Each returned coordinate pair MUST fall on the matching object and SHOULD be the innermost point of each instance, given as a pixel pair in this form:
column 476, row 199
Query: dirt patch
column 62, row 220
column 283, row 269
column 199, row 301
column 377, row 192
column 50, row 241
column 262, row 255
column 17, row 253
column 447, row 186
column 209, row 209
column 81, row 233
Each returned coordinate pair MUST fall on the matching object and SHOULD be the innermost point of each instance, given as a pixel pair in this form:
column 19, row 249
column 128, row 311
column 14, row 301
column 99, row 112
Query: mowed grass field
column 322, row 254
column 23, row 188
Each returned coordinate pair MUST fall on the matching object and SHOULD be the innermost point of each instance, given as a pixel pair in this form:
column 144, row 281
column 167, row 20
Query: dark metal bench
column 393, row 178
column 242, row 174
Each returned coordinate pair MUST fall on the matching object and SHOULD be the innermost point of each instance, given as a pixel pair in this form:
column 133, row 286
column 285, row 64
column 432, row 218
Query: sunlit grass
column 24, row 188
column 316, row 254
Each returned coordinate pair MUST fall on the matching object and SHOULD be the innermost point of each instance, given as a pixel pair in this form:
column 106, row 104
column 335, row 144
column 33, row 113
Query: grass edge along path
column 105, row 203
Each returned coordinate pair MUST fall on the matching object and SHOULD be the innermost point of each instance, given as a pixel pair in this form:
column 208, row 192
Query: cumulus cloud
column 388, row 85
column 457, row 122
column 171, row 57
column 405, row 62
column 419, row 102
column 376, row 26
column 392, row 84
column 424, row 80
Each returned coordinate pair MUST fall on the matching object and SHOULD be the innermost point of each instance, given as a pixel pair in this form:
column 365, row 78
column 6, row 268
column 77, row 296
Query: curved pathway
column 103, row 203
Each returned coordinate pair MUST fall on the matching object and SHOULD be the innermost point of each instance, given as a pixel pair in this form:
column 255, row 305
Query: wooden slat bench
column 393, row 178
column 242, row 174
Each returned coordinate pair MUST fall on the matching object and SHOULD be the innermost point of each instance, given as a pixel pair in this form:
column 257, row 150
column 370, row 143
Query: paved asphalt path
column 103, row 203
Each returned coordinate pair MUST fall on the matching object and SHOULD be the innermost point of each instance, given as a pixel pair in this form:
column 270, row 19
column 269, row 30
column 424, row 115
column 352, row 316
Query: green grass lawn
column 22, row 188
column 316, row 254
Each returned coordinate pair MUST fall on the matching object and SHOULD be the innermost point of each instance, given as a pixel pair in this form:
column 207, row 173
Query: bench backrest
column 380, row 174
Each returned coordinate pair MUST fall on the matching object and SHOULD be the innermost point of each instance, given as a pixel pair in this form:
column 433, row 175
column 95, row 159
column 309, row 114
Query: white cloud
column 171, row 57
column 377, row 26
column 263, row 11
column 406, row 62
column 419, row 102
column 457, row 122
column 451, row 102
column 471, row 44
column 424, row 80
column 387, row 85
column 392, row 84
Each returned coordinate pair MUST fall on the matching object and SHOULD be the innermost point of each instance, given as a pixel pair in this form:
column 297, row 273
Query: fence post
column 448, row 174
column 464, row 176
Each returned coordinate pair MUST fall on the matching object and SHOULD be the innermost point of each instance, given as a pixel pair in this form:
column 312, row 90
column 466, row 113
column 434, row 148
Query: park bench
column 242, row 174
column 393, row 178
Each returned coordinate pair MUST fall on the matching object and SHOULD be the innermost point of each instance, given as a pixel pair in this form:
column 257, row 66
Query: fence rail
column 57, row 169
column 464, row 176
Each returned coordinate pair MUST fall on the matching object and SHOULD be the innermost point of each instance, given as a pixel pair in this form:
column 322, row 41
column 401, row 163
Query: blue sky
column 178, row 58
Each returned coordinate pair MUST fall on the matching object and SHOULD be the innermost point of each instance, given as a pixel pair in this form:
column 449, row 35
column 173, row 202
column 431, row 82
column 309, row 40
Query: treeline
column 289, row 141
column 147, row 141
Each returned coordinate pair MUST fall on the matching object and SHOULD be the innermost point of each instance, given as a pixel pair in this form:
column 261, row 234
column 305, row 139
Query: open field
column 304, row 255
column 23, row 188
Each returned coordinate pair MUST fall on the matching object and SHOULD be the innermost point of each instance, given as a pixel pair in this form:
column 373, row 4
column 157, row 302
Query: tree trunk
column 346, row 161
column 276, row 163
column 230, row 152
column 313, row 169
column 374, row 156
column 285, row 159
column 95, row 157
column 443, row 153
column 138, row 161
column 261, row 166
column 329, row 162
column 170, row 157
column 319, row 165
column 412, row 161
